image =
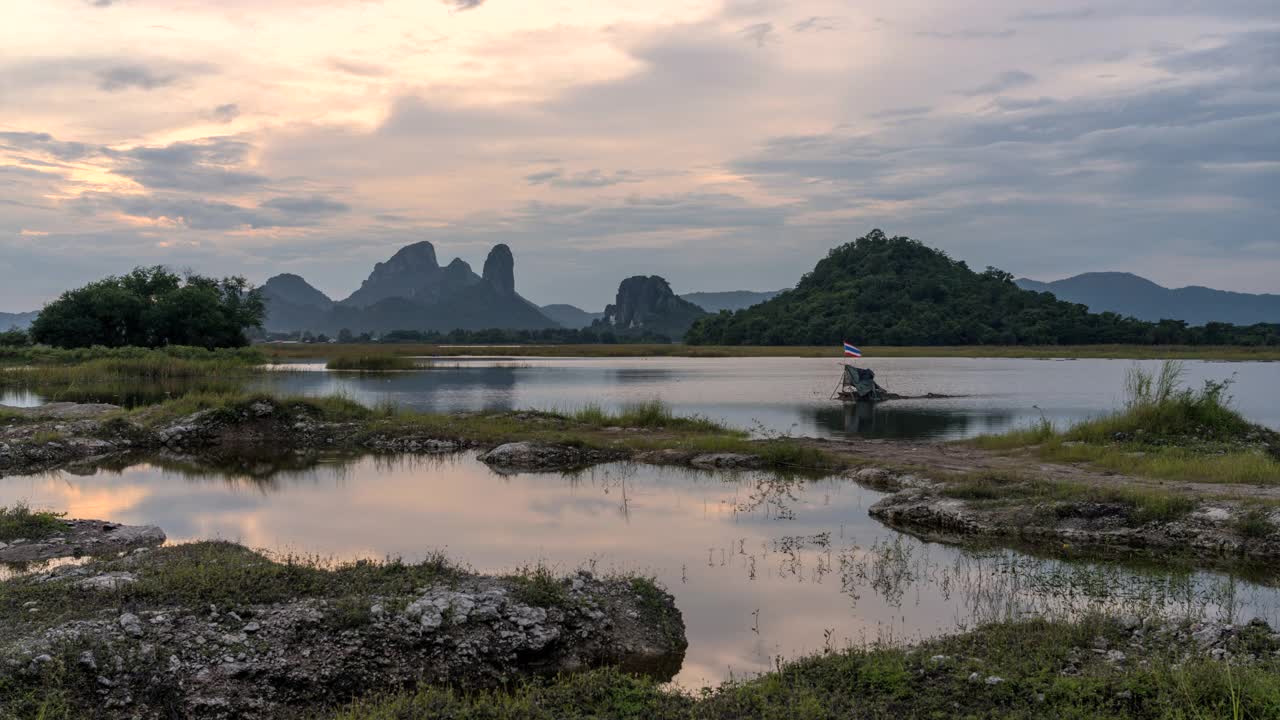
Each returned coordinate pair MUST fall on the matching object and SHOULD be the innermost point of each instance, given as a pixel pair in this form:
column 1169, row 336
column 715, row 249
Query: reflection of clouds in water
column 798, row 559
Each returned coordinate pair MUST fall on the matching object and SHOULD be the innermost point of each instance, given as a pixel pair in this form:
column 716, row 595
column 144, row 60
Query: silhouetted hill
column 714, row 302
column 410, row 291
column 1128, row 294
column 647, row 305
column 879, row 290
column 570, row 316
column 22, row 321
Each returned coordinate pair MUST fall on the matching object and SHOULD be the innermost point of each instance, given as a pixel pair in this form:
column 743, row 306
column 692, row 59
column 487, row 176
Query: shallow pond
column 761, row 566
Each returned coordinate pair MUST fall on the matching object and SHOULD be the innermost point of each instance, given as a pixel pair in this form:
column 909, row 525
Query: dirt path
column 930, row 458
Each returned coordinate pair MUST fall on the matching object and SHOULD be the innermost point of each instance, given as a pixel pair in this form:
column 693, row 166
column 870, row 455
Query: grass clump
column 1141, row 504
column 538, row 586
column 652, row 414
column 372, row 363
column 20, row 521
column 1165, row 430
column 1255, row 523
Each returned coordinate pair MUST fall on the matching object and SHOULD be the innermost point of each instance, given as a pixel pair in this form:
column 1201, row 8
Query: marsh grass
column 648, row 414
column 1165, row 430
column 20, row 521
column 373, row 363
column 1143, row 504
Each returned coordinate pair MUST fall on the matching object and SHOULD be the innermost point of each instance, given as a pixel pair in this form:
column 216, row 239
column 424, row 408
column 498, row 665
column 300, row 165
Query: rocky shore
column 76, row 538
column 1216, row 529
column 166, row 633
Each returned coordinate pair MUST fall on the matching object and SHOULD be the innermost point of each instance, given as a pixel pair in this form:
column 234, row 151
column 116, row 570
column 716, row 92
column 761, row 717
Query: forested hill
column 879, row 290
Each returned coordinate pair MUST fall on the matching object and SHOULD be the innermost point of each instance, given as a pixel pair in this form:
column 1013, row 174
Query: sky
column 722, row 144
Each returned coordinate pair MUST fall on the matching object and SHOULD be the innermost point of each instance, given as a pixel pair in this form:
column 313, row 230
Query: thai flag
column 851, row 351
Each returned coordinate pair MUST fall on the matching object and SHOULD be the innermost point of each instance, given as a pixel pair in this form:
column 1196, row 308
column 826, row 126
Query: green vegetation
column 649, row 414
column 538, row 586
column 21, row 521
column 372, row 363
column 196, row 575
column 152, row 307
column 1024, row 670
column 897, row 291
column 1165, row 430
column 1142, row 504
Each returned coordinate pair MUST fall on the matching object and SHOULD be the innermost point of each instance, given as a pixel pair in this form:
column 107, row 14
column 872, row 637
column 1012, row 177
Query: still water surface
column 791, row 395
column 761, row 566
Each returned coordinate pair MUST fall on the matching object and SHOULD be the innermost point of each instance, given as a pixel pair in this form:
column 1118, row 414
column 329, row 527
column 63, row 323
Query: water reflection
column 761, row 565
column 775, row 395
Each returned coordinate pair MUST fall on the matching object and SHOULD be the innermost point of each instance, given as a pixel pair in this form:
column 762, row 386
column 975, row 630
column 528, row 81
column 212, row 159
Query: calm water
column 770, row 395
column 760, row 566
column 790, row 395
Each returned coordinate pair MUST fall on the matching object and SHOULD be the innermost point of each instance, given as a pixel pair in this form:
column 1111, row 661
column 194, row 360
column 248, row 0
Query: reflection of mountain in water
column 900, row 421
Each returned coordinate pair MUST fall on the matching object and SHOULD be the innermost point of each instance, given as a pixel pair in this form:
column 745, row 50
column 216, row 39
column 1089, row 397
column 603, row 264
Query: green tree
column 152, row 307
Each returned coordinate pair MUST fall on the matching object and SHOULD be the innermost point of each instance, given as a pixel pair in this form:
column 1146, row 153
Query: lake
column 762, row 566
column 790, row 395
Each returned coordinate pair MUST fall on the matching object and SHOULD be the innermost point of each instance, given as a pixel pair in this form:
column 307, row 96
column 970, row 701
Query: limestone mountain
column 714, row 302
column 410, row 291
column 1128, row 294
column 646, row 304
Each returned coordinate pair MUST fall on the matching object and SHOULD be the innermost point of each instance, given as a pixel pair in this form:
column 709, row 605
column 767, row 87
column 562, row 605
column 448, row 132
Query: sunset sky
column 722, row 144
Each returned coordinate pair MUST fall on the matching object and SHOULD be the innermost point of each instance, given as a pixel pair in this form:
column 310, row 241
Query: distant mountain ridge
column 714, row 302
column 22, row 320
column 570, row 316
column 1135, row 296
column 410, row 291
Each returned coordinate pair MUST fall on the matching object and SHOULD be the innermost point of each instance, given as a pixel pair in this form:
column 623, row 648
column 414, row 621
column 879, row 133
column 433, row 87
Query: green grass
column 1142, row 504
column 372, row 363
column 45, row 355
column 21, row 521
column 1165, row 430
column 538, row 586
column 1255, row 523
column 881, row 681
column 196, row 575
column 650, row 414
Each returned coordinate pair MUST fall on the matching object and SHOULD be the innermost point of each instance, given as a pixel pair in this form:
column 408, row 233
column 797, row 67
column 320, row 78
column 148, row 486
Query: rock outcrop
column 296, row 657
column 499, row 270
column 647, row 304
column 528, row 456
column 80, row 538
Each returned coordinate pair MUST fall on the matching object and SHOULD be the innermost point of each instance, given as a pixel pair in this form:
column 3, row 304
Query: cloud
column 304, row 206
column 124, row 77
column 226, row 113
column 360, row 69
column 972, row 34
column 212, row 165
column 588, row 179
column 1055, row 15
column 46, row 144
column 816, row 23
column 759, row 33
column 461, row 5
column 101, row 3
column 1007, row 80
